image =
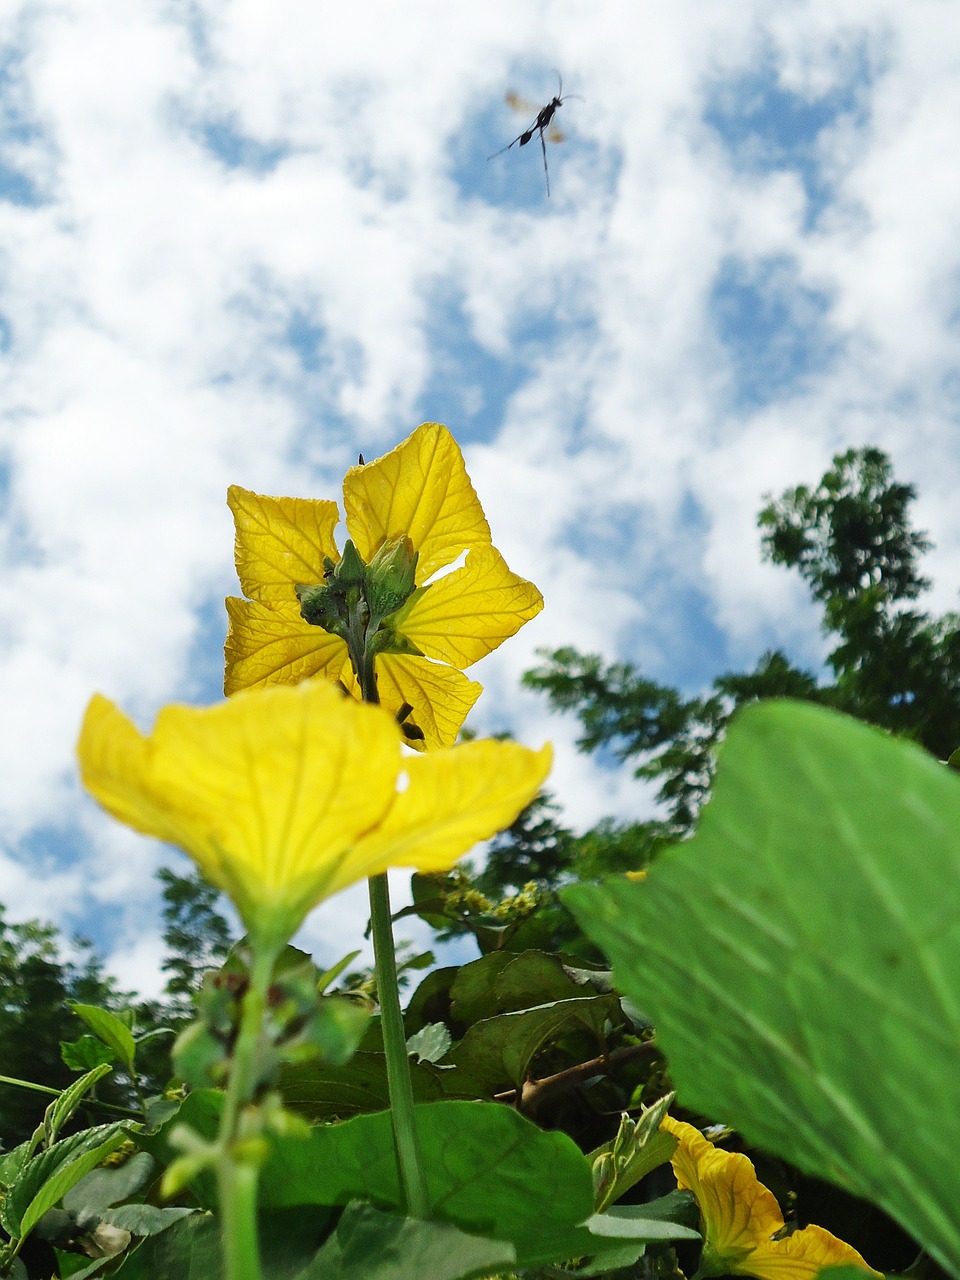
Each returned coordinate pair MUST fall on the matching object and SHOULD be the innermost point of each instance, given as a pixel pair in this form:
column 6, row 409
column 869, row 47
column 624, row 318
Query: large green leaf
column 490, row 1172
column 47, row 1177
column 369, row 1245
column 800, row 957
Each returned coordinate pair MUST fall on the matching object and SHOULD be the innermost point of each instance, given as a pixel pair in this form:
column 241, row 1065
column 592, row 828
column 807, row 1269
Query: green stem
column 409, row 1158
column 413, row 1180
column 237, row 1176
column 87, row 1102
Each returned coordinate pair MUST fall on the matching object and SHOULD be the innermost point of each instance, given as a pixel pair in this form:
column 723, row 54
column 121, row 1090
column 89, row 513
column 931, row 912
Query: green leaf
column 490, row 1172
column 144, row 1219
column 497, row 1052
column 60, row 1110
column 108, row 1028
column 629, row 1222
column 504, row 982
column 85, row 1053
column 370, row 1245
column 430, row 1043
column 809, row 935
column 102, row 1188
column 48, row 1177
column 320, row 1091
column 199, row 1111
column 334, row 972
column 189, row 1250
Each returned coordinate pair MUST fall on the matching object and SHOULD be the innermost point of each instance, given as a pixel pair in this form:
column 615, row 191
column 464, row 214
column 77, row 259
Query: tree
column 852, row 541
column 196, row 935
column 38, row 982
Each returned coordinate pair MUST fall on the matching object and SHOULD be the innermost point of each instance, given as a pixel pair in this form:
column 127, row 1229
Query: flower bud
column 391, row 577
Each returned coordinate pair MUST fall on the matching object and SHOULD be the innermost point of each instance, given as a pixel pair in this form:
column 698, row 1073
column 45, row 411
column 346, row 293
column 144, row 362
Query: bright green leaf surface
column 369, row 1245
column 48, row 1177
column 490, row 1172
column 109, row 1028
column 800, row 957
column 60, row 1111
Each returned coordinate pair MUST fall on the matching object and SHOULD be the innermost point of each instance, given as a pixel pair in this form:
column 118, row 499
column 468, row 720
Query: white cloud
column 180, row 319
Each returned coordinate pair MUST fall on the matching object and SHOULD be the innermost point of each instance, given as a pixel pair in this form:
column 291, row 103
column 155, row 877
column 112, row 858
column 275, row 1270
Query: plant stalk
column 237, row 1176
column 410, row 1166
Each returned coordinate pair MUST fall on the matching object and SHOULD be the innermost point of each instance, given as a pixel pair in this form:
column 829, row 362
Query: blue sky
column 241, row 243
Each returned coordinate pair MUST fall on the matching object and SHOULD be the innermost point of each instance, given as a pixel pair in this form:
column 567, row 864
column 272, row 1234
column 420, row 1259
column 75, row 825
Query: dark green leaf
column 497, row 1052
column 189, row 1250
column 370, row 1245
column 105, row 1187
column 808, row 934
column 322, row 1092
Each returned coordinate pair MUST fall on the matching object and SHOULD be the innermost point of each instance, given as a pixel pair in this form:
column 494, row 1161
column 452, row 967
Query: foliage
column 805, row 929
column 851, row 540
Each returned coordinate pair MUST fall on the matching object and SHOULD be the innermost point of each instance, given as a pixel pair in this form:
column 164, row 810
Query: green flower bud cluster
column 639, row 1146
column 356, row 601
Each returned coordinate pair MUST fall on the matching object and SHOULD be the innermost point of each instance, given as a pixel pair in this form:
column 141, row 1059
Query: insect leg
column 546, row 173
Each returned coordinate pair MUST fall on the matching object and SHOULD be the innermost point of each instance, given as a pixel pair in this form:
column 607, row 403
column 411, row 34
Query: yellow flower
column 740, row 1217
column 284, row 796
column 412, row 512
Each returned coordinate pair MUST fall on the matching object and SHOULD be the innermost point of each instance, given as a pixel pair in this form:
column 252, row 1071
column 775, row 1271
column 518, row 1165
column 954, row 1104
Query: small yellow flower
column 284, row 796
column 740, row 1217
column 412, row 513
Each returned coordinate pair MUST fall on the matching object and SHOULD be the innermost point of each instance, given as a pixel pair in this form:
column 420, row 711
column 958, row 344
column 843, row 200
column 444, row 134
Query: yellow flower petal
column 280, row 542
column 284, row 796
column 465, row 615
column 441, row 697
column 419, row 490
column 455, row 798
column 267, row 791
column 740, row 1215
column 738, row 1211
column 271, row 644
column 801, row 1256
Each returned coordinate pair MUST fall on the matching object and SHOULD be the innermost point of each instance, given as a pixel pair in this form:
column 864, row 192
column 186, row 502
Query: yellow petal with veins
column 284, row 796
column 271, row 644
column 418, row 490
column 459, row 796
column 441, row 697
column 740, row 1216
column 802, row 1256
column 466, row 614
column 280, row 542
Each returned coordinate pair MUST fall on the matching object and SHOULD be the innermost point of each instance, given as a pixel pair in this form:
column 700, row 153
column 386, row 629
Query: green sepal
column 391, row 577
column 387, row 640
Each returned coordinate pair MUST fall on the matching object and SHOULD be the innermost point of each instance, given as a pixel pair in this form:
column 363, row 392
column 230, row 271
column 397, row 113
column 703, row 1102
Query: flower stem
column 236, row 1175
column 409, row 1158
column 413, row 1180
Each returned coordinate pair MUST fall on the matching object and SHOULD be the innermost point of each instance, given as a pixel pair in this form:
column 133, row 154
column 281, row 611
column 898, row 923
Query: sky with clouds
column 240, row 243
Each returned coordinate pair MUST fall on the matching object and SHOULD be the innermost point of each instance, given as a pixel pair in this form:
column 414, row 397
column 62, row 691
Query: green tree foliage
column 196, row 935
column 40, row 981
column 37, row 982
column 852, row 541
